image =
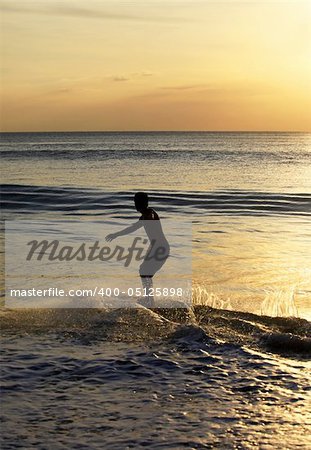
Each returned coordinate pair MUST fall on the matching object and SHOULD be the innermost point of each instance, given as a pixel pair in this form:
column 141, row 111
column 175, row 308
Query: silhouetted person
column 158, row 250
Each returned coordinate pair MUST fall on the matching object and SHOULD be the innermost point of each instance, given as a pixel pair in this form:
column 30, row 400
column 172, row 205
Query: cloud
column 120, row 78
column 85, row 13
column 183, row 87
column 132, row 76
column 60, row 91
column 241, row 88
column 142, row 74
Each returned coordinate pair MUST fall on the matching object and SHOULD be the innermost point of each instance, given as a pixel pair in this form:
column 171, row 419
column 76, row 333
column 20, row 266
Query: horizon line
column 158, row 131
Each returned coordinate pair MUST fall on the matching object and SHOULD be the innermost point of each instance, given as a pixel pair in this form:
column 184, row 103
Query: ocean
column 233, row 371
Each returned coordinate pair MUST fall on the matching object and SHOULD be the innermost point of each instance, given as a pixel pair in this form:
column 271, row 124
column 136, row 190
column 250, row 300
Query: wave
column 285, row 336
column 73, row 201
column 206, row 146
column 171, row 154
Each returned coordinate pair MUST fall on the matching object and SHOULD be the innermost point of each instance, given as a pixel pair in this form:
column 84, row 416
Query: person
column 158, row 250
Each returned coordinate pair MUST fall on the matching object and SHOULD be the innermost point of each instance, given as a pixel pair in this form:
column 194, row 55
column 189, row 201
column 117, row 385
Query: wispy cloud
column 185, row 87
column 120, row 78
column 68, row 85
column 234, row 88
column 131, row 76
column 142, row 74
column 86, row 13
column 207, row 93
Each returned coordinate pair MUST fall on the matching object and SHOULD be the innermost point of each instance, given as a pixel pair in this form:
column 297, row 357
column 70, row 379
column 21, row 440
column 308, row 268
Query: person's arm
column 135, row 226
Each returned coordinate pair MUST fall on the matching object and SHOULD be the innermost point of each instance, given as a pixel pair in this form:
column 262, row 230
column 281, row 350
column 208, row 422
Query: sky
column 73, row 65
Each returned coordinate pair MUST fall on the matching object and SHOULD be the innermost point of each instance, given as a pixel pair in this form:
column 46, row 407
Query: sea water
column 247, row 195
column 234, row 376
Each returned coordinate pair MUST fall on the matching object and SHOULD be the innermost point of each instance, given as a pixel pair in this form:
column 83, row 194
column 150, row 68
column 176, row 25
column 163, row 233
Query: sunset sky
column 155, row 65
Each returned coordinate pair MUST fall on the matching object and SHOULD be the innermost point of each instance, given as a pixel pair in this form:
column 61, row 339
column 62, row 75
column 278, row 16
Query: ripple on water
column 160, row 395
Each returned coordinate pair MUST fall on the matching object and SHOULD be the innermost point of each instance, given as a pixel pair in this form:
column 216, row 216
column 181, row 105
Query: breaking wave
column 288, row 336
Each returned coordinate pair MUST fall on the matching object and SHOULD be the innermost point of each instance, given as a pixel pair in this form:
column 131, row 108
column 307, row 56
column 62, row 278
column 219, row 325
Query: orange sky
column 155, row 65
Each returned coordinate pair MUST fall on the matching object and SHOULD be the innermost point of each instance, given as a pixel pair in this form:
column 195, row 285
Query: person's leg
column 147, row 299
column 146, row 274
column 149, row 267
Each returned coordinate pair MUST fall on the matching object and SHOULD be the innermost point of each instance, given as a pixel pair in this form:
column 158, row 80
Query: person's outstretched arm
column 125, row 231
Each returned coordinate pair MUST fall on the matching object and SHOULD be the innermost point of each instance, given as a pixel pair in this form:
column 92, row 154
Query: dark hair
column 141, row 200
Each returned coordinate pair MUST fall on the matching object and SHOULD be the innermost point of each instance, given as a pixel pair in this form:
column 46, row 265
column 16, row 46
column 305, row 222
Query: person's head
column 141, row 201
